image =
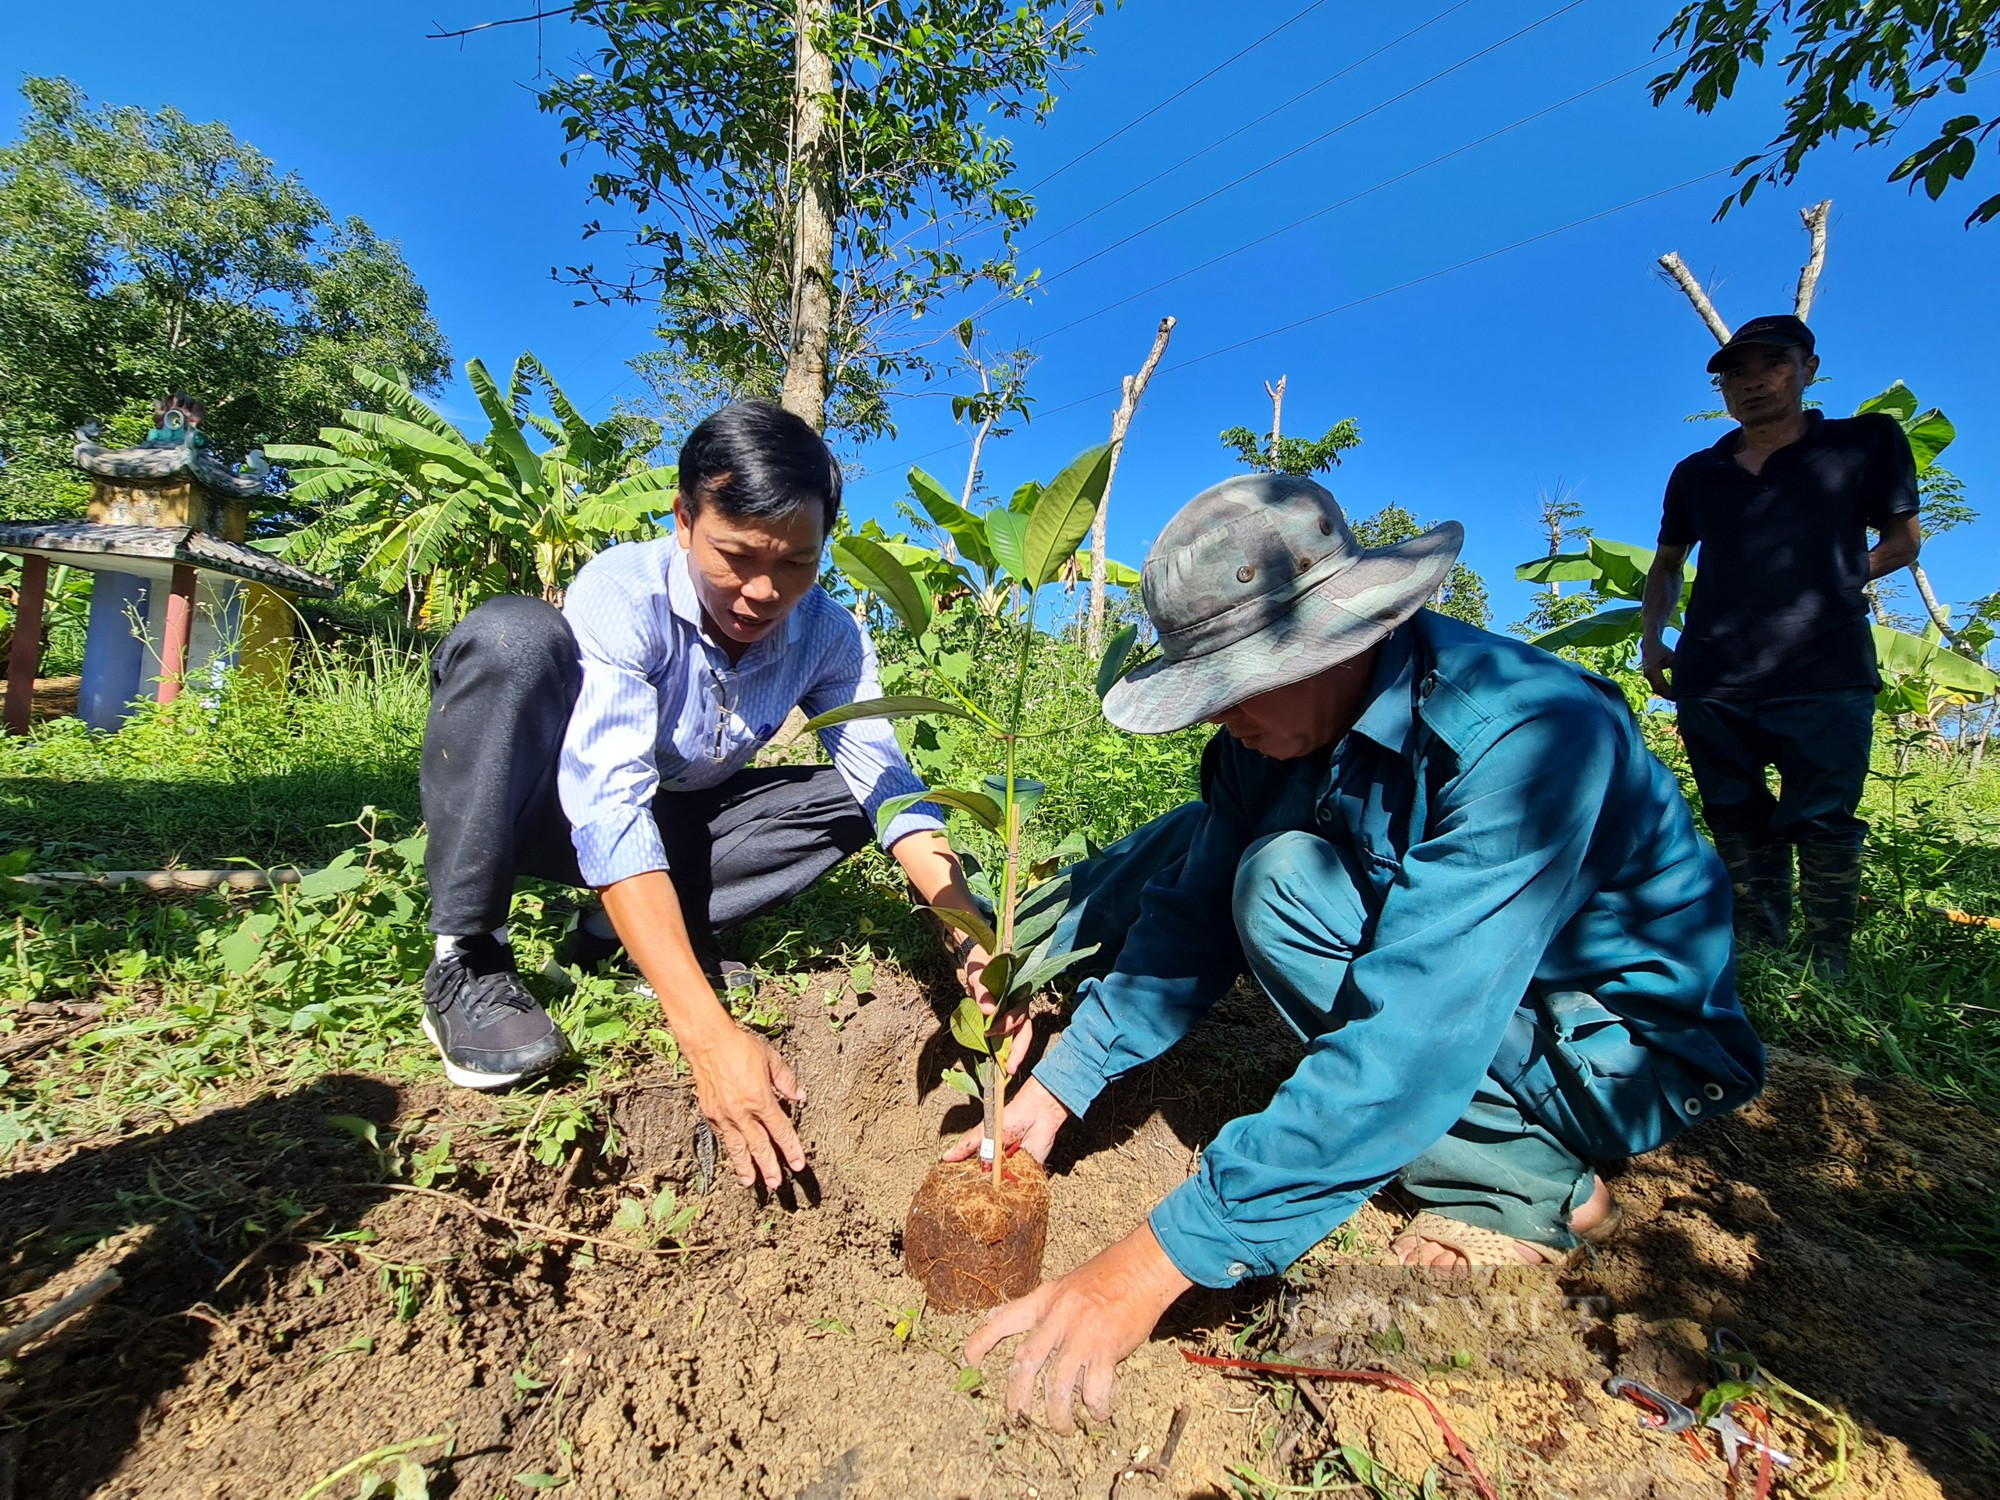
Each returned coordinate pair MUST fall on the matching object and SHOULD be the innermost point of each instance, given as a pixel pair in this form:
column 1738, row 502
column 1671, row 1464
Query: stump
column 973, row 1247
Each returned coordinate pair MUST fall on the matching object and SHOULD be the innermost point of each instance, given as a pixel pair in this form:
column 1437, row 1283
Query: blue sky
column 1566, row 362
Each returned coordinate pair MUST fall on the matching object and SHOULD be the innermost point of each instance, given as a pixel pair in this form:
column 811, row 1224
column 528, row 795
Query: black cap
column 1781, row 330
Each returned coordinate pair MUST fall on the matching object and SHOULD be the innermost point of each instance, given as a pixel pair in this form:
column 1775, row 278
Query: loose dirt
column 784, row 1352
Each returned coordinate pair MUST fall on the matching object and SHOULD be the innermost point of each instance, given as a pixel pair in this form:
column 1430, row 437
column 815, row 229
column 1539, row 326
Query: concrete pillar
column 179, row 632
column 114, row 652
column 26, row 653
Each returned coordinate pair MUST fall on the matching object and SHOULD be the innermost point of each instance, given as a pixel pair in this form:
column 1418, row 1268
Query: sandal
column 1489, row 1247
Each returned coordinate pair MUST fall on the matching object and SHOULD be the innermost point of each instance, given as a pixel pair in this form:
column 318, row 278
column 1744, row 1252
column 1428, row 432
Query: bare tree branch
column 1133, row 387
column 465, row 31
column 1815, row 221
column 1677, row 269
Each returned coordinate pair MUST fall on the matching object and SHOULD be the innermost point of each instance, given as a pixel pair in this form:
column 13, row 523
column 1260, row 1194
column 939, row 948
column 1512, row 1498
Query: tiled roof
column 162, row 462
column 169, row 544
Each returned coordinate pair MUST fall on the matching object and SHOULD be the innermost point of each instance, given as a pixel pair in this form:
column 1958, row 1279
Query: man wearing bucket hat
column 1451, row 863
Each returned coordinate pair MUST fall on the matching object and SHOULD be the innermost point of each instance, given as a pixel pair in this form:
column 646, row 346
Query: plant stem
column 1010, row 892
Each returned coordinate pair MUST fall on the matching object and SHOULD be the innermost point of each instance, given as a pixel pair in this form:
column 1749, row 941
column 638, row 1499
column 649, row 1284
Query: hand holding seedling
column 1033, row 1117
column 1080, row 1326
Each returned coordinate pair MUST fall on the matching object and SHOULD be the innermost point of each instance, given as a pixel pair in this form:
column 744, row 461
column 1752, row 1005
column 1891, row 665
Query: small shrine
column 176, row 591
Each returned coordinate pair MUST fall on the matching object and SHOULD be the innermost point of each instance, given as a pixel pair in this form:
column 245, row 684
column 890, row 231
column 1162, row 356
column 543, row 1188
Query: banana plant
column 421, row 511
column 1025, row 545
column 1918, row 667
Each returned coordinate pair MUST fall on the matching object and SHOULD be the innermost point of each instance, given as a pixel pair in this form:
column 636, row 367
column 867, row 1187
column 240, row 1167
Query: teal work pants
column 1302, row 914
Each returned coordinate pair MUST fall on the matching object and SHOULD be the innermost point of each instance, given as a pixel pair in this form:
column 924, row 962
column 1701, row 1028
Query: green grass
column 220, row 991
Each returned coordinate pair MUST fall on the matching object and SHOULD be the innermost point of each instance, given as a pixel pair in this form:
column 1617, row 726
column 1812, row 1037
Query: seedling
column 1029, row 542
column 665, row 1220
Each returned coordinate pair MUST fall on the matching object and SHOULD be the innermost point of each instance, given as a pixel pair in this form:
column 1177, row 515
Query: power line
column 1179, row 93
column 1316, row 140
column 1401, row 286
column 1326, row 82
column 1352, row 198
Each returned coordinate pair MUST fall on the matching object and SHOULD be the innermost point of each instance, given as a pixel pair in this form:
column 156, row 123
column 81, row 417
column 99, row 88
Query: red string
column 1363, row 1377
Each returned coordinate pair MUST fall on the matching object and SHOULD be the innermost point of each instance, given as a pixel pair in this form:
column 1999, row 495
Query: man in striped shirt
column 609, row 745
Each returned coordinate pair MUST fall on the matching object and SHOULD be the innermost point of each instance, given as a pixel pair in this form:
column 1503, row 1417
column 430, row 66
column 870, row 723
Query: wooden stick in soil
column 48, row 1319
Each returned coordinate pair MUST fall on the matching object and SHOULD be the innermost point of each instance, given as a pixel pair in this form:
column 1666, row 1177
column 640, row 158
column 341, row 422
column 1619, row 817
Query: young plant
column 1030, row 542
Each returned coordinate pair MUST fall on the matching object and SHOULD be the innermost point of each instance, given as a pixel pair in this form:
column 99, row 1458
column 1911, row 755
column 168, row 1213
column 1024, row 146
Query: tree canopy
column 806, row 182
column 143, row 253
column 1864, row 69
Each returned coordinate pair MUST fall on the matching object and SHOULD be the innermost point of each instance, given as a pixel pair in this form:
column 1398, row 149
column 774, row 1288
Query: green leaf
column 970, row 923
column 241, row 949
column 970, row 1379
column 539, row 1481
column 885, row 708
column 1927, row 662
column 506, row 434
column 964, row 528
column 1117, row 574
column 362, row 1130
column 1621, row 568
column 963, row 1081
column 1116, row 654
column 331, row 881
column 1047, row 971
column 872, row 567
column 1063, row 514
column 1608, row 627
column 1899, row 401
column 1027, row 792
column 1023, row 499
column 981, row 808
column 968, row 1027
column 1561, row 567
column 1929, row 434
column 1007, row 535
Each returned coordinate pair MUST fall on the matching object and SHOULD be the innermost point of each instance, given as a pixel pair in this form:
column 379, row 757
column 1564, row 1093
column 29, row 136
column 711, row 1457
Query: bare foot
column 1415, row 1250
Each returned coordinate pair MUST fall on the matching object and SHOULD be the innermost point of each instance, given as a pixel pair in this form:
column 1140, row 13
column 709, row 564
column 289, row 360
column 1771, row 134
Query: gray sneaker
column 485, row 1025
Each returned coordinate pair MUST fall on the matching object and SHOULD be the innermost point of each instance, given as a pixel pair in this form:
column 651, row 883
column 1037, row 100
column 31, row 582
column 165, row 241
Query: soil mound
column 285, row 1311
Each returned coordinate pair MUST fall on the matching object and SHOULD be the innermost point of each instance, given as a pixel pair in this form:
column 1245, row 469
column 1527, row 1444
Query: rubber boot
column 1760, row 885
column 1829, row 892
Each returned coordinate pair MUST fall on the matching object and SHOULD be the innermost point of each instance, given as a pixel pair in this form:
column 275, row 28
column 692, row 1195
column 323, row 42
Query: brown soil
column 782, row 1355
column 972, row 1244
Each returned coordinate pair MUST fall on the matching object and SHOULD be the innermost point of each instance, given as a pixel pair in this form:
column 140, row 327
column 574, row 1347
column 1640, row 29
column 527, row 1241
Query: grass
column 205, row 994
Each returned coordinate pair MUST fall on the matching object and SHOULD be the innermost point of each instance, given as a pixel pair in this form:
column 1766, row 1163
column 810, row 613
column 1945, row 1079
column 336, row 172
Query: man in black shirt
column 1775, row 666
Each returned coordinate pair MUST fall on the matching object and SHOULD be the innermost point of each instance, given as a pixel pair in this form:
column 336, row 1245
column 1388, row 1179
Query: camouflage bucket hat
column 1259, row 583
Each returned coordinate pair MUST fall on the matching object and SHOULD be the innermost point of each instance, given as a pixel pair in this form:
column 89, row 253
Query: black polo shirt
column 1777, row 608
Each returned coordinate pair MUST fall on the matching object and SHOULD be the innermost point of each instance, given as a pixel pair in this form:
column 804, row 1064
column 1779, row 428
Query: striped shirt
column 663, row 709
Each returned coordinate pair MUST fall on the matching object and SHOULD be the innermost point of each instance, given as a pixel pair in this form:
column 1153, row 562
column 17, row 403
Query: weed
column 666, row 1220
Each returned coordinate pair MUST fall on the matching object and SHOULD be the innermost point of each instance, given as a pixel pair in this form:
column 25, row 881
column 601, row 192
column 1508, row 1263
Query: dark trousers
column 1819, row 745
column 502, row 688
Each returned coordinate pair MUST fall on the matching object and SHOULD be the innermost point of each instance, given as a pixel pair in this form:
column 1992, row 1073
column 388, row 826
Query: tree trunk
column 1815, row 222
column 1277, row 395
column 805, row 389
column 1133, row 387
column 1683, row 278
column 1940, row 616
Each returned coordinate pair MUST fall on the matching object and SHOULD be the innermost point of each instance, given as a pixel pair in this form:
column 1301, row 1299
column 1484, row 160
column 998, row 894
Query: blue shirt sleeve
column 865, row 751
column 1181, row 957
column 609, row 773
column 1456, row 942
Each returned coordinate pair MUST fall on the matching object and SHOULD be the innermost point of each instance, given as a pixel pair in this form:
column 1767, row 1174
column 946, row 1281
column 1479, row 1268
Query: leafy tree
column 1463, row 596
column 410, row 509
column 1561, row 517
column 142, row 253
column 1854, row 69
column 1292, row 455
column 808, row 179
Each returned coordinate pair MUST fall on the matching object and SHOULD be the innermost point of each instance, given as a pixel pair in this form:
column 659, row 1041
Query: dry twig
column 88, row 1295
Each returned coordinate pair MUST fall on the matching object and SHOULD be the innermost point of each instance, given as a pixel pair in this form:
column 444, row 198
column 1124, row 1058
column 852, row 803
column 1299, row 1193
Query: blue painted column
column 114, row 651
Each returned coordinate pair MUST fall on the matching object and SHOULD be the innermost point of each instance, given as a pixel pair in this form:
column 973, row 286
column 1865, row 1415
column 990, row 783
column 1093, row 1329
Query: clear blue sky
column 1565, row 362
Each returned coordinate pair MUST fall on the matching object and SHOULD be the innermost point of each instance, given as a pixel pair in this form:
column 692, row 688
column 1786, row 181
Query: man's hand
column 1080, row 1326
column 739, row 1080
column 1018, row 1031
column 1656, row 660
column 1032, row 1119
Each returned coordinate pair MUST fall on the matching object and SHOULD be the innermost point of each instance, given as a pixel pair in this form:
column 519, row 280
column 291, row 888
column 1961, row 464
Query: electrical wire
column 1324, row 136
column 1326, row 82
column 1352, row 198
column 1401, row 286
column 1179, row 93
